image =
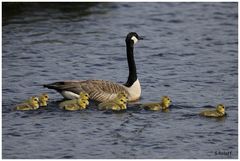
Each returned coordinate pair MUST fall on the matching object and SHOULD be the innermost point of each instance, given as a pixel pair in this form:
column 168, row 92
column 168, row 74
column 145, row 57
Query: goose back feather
column 99, row 90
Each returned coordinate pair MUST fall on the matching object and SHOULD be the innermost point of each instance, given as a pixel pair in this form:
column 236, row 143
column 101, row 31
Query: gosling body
column 31, row 104
column 80, row 105
column 218, row 112
column 117, row 104
column 82, row 96
column 156, row 106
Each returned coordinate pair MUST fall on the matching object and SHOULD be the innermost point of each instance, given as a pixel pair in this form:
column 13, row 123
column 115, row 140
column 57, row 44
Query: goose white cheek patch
column 134, row 39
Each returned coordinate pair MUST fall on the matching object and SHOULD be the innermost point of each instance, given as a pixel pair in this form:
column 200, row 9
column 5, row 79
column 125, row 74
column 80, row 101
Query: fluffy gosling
column 82, row 96
column 218, row 112
column 31, row 104
column 115, row 105
column 43, row 99
column 80, row 105
column 163, row 105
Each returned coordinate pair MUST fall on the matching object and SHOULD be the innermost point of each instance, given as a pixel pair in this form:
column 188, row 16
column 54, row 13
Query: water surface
column 190, row 54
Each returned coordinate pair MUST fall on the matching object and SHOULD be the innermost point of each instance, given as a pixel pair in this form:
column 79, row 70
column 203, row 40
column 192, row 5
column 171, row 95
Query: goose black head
column 132, row 38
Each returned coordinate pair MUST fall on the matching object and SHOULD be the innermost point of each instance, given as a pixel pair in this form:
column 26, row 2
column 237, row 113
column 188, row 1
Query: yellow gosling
column 43, row 99
column 122, row 95
column 116, row 105
column 163, row 105
column 218, row 112
column 80, row 105
column 31, row 104
column 121, row 102
column 82, row 96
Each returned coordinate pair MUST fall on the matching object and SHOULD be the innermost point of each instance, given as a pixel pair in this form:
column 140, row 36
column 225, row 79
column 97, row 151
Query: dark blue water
column 190, row 54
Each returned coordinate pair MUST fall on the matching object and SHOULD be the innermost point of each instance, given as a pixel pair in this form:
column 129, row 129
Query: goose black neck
column 132, row 77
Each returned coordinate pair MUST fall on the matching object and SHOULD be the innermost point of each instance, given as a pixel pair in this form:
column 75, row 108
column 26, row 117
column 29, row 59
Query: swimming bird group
column 33, row 103
column 111, row 95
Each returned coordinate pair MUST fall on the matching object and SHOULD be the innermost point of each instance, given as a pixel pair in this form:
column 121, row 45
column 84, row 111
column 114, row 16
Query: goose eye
column 35, row 99
column 46, row 96
column 86, row 95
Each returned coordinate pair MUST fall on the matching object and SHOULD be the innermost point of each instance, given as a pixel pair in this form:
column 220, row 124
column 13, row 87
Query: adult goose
column 102, row 90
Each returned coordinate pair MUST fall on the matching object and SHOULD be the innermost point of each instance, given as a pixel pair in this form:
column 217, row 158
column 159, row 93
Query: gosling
column 80, row 105
column 218, row 112
column 115, row 105
column 163, row 105
column 121, row 95
column 118, row 103
column 43, row 99
column 82, row 96
column 31, row 104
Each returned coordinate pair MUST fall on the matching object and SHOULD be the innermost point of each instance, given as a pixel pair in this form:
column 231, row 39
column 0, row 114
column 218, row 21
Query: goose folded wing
column 98, row 90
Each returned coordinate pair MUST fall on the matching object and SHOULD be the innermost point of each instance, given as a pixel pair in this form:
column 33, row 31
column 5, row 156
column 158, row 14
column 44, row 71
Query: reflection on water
column 190, row 54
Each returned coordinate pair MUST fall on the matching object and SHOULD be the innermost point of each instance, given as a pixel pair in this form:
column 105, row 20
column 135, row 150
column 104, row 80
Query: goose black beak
column 141, row 38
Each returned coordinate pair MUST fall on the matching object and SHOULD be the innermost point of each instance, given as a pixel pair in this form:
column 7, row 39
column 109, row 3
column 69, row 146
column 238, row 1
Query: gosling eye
column 46, row 96
column 86, row 95
column 35, row 99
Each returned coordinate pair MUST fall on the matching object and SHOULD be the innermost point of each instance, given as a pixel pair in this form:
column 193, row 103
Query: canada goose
column 31, row 104
column 116, row 105
column 80, row 105
column 163, row 105
column 218, row 112
column 101, row 90
column 43, row 98
column 83, row 96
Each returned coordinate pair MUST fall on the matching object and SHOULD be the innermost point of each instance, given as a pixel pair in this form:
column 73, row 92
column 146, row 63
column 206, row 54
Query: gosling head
column 34, row 102
column 121, row 101
column 166, row 101
column 44, row 97
column 84, row 95
column 132, row 38
column 220, row 108
column 83, row 103
column 122, row 95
